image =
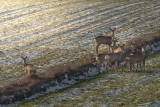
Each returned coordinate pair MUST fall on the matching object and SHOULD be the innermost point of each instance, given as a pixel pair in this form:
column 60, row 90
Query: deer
column 123, row 57
column 99, row 59
column 137, row 57
column 108, row 40
column 143, row 52
column 115, row 57
column 29, row 68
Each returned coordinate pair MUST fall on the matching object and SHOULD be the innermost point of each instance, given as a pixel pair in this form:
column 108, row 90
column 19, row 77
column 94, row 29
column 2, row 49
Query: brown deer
column 137, row 57
column 123, row 57
column 108, row 40
column 29, row 68
column 115, row 57
column 143, row 51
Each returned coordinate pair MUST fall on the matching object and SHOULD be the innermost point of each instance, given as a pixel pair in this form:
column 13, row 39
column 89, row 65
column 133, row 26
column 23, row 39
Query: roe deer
column 29, row 68
column 105, row 40
column 137, row 57
column 100, row 58
column 115, row 57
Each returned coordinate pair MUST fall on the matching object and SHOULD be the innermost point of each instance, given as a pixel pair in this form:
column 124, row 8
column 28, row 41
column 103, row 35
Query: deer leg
column 144, row 64
column 126, row 64
column 97, row 46
column 131, row 66
column 106, row 65
column 123, row 67
column 98, row 66
column 109, row 48
column 136, row 68
column 118, row 64
column 137, row 65
column 140, row 66
column 114, row 64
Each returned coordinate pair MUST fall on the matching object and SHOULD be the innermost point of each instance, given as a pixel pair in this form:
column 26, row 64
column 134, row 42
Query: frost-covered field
column 51, row 32
column 57, row 31
column 113, row 89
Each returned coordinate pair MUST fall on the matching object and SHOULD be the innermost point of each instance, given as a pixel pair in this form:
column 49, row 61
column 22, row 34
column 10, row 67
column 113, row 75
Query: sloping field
column 52, row 32
column 109, row 89
column 55, row 32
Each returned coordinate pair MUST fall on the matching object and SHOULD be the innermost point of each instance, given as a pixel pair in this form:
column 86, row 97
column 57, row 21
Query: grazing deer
column 108, row 40
column 29, row 68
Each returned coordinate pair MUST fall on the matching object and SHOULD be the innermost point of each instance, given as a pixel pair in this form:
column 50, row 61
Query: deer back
column 125, row 55
column 136, row 56
column 103, row 40
column 112, row 57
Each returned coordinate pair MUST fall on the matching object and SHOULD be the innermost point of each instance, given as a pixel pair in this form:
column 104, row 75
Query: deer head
column 113, row 31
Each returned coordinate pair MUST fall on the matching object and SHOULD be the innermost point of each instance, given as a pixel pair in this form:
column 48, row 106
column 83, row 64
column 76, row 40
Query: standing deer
column 115, row 57
column 108, row 40
column 123, row 57
column 29, row 68
column 137, row 57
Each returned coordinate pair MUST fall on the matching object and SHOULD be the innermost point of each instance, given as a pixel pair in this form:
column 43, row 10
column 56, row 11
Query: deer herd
column 117, row 55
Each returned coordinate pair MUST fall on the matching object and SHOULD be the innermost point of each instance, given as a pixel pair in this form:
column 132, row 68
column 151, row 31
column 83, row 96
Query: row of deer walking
column 119, row 54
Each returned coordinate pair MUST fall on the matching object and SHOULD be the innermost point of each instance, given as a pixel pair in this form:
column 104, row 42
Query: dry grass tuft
column 147, row 39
